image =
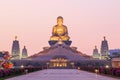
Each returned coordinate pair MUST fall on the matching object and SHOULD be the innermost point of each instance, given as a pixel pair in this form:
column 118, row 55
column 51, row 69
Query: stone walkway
column 62, row 74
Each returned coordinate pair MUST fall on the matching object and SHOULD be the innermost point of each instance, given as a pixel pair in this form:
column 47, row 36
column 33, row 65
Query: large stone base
column 51, row 43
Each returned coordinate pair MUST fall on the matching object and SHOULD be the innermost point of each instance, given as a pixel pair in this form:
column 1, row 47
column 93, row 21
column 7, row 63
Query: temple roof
column 58, row 51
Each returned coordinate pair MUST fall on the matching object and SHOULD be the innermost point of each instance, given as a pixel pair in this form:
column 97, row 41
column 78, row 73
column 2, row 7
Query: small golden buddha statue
column 59, row 31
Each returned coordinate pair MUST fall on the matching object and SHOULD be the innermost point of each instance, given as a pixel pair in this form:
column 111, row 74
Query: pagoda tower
column 96, row 54
column 104, row 49
column 15, row 49
column 24, row 52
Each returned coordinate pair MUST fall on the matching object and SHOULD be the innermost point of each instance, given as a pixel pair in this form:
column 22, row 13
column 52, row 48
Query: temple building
column 96, row 54
column 114, row 53
column 24, row 53
column 104, row 49
column 116, row 62
column 15, row 49
column 60, row 53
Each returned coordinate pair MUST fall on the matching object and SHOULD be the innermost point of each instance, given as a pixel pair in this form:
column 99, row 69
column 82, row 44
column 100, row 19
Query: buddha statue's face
column 59, row 21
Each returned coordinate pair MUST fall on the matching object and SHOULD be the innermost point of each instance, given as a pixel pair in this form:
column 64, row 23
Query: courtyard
column 62, row 74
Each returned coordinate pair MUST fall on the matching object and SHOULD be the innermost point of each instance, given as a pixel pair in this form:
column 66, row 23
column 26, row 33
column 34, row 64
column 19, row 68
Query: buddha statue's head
column 59, row 20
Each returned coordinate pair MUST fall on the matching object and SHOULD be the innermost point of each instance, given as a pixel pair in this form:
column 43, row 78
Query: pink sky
column 32, row 21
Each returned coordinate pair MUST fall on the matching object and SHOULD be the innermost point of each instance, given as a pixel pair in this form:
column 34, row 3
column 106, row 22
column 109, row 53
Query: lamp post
column 47, row 64
column 107, row 66
column 72, row 63
column 22, row 66
column 96, row 71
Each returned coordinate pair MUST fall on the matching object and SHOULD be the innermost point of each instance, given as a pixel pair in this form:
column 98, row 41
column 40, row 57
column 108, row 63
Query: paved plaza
column 62, row 74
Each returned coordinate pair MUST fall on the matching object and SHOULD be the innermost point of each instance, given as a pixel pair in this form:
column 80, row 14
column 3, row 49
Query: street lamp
column 78, row 68
column 22, row 66
column 72, row 63
column 47, row 64
column 96, row 71
column 107, row 66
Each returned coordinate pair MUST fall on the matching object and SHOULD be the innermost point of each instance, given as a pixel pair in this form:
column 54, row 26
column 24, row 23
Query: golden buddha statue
column 59, row 31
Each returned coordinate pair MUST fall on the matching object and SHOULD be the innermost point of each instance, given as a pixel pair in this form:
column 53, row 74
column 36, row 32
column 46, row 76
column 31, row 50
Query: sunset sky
column 32, row 21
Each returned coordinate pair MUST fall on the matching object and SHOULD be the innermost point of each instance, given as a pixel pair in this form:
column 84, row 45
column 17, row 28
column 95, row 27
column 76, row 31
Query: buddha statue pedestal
column 51, row 43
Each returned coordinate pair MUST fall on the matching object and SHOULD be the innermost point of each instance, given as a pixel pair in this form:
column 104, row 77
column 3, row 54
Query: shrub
column 18, row 71
column 102, row 70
